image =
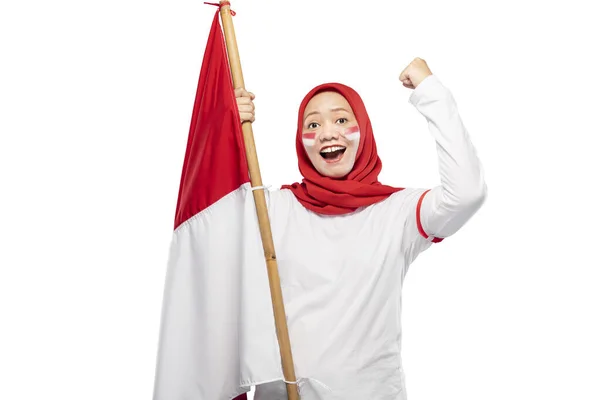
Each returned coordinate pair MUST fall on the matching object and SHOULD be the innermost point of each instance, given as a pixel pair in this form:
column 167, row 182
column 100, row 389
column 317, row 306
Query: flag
column 217, row 333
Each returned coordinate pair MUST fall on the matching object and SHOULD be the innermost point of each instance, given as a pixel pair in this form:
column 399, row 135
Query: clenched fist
column 414, row 73
column 245, row 104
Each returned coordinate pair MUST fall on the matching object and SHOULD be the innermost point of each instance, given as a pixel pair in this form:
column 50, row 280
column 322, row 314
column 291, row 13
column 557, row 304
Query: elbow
column 474, row 199
column 471, row 197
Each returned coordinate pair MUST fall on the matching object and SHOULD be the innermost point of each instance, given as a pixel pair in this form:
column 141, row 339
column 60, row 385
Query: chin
column 335, row 172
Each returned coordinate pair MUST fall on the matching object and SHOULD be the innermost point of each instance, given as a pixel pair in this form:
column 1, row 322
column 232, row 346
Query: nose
column 330, row 132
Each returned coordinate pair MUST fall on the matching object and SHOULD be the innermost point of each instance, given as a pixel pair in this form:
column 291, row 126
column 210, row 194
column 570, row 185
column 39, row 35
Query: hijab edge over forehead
column 351, row 96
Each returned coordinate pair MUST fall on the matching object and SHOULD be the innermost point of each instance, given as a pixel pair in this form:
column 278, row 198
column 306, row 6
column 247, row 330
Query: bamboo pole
column 261, row 210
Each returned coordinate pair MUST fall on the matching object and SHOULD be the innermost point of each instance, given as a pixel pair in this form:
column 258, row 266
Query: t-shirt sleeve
column 419, row 223
column 440, row 215
column 414, row 238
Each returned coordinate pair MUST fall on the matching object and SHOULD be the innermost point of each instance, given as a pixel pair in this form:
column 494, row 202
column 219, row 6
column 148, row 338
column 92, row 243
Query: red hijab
column 334, row 196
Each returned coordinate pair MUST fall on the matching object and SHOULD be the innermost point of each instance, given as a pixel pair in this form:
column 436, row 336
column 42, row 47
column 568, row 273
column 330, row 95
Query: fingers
column 244, row 100
column 246, row 108
column 241, row 92
column 405, row 79
column 246, row 112
column 406, row 82
column 403, row 75
column 245, row 104
column 246, row 117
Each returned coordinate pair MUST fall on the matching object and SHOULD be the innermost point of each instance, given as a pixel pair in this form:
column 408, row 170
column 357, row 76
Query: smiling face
column 330, row 134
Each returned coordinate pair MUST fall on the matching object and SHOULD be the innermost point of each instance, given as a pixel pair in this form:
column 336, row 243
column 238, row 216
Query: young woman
column 344, row 241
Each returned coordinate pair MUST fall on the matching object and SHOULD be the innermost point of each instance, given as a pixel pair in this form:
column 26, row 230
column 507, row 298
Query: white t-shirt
column 341, row 278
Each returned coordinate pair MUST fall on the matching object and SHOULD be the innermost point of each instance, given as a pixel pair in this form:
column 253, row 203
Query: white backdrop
column 95, row 105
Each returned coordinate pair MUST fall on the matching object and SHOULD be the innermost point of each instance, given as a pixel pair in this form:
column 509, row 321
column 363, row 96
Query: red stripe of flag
column 215, row 160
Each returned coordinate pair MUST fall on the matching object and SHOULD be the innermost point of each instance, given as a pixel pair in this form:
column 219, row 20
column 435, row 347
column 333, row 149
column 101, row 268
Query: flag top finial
column 221, row 4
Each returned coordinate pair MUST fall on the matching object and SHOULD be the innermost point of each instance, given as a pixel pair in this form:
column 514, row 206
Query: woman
column 344, row 241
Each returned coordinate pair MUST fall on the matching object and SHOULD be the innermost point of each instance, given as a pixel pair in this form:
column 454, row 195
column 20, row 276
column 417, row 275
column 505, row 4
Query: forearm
column 463, row 190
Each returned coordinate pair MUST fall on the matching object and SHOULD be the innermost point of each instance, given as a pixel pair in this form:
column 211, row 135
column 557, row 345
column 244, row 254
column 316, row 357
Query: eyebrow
column 332, row 109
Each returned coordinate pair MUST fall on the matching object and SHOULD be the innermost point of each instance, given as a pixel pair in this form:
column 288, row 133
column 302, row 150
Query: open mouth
column 332, row 153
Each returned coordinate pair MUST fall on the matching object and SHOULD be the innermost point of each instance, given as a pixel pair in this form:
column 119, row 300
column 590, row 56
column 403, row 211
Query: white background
column 95, row 105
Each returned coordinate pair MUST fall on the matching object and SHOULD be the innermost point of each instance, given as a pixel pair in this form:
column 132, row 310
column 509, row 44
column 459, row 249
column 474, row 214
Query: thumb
column 239, row 92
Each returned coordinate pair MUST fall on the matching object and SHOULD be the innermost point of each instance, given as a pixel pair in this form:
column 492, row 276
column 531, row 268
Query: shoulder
column 404, row 199
column 396, row 210
column 280, row 195
column 280, row 200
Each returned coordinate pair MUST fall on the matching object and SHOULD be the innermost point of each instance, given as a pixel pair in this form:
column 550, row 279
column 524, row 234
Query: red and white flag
column 217, row 334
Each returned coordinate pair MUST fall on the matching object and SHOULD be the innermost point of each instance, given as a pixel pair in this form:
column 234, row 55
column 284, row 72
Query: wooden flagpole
column 261, row 210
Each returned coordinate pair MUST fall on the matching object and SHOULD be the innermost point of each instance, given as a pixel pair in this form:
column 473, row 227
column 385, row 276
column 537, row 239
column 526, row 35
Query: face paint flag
column 217, row 335
column 352, row 133
column 308, row 139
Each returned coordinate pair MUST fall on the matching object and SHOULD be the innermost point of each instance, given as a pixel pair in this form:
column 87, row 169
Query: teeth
column 332, row 149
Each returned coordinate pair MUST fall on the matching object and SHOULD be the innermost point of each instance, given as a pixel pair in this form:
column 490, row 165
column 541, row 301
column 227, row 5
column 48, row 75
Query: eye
column 313, row 125
column 344, row 120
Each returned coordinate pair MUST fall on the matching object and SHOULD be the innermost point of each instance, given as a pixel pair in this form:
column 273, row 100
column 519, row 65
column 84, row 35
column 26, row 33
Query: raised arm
column 444, row 209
